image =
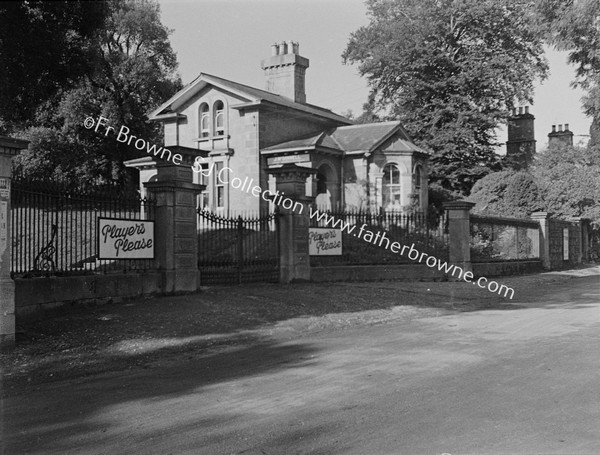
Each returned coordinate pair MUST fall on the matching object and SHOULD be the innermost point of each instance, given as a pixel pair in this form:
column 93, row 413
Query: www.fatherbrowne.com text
column 380, row 239
column 224, row 175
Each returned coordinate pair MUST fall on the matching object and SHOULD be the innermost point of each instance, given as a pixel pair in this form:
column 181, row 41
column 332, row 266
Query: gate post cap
column 539, row 215
column 458, row 205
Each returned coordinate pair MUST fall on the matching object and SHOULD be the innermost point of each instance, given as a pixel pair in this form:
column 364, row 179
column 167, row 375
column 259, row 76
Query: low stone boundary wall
column 410, row 272
column 407, row 272
column 489, row 269
column 34, row 295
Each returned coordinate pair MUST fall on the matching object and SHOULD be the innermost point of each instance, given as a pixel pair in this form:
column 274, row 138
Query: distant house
column 246, row 131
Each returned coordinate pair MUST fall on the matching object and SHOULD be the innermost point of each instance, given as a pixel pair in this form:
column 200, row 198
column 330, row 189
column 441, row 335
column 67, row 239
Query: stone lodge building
column 245, row 131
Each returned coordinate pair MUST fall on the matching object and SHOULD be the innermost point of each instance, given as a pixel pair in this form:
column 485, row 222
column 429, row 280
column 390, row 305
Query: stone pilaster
column 542, row 219
column 579, row 226
column 294, row 260
column 459, row 232
column 176, row 237
column 8, row 149
column 585, row 240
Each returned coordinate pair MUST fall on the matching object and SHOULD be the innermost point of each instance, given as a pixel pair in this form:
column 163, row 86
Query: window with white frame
column 204, row 120
column 391, row 190
column 219, row 113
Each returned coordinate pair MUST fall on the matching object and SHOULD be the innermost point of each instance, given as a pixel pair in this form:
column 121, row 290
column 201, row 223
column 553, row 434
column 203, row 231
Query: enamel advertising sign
column 125, row 239
column 324, row 242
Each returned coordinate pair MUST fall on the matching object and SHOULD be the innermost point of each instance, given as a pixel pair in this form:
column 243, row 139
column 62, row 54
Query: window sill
column 211, row 138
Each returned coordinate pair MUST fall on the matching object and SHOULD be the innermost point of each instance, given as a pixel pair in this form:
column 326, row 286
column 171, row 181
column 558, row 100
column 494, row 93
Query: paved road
column 517, row 381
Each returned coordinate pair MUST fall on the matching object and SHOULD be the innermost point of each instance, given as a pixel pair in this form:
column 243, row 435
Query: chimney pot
column 554, row 128
column 566, row 127
column 290, row 46
column 527, row 109
column 285, row 71
column 521, row 110
column 560, row 128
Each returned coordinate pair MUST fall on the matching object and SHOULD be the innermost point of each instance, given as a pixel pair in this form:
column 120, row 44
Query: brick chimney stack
column 285, row 71
column 561, row 136
column 520, row 146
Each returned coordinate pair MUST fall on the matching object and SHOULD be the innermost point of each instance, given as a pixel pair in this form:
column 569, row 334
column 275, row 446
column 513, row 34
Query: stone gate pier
column 294, row 260
column 8, row 148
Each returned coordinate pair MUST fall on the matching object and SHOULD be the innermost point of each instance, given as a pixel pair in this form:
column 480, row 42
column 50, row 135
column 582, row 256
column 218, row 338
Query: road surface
column 511, row 381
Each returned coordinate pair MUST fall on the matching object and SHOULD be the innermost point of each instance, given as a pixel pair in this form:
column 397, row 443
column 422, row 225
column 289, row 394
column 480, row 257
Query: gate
column 235, row 250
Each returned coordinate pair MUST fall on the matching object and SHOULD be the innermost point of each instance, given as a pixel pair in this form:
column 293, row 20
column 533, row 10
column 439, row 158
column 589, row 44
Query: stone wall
column 407, row 272
column 504, row 268
column 417, row 272
column 35, row 295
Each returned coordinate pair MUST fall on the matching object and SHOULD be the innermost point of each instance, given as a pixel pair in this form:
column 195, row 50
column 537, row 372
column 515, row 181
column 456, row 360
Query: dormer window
column 219, row 112
column 204, row 121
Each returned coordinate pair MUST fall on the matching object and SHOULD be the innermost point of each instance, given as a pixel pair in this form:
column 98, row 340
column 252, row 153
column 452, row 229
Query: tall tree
column 135, row 71
column 44, row 47
column 573, row 25
column 451, row 71
column 132, row 71
column 568, row 178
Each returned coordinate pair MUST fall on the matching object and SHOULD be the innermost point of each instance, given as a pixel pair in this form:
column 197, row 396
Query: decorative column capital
column 172, row 186
column 539, row 216
column 12, row 147
column 459, row 205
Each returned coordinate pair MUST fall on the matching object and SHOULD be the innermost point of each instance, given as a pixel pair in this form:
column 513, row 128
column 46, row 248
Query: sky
column 229, row 38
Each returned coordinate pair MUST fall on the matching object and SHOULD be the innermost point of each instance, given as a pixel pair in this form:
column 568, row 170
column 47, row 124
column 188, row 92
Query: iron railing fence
column 428, row 233
column 503, row 239
column 238, row 248
column 54, row 228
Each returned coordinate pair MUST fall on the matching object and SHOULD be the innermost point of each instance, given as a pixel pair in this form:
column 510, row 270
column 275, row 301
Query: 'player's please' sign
column 125, row 239
column 324, row 242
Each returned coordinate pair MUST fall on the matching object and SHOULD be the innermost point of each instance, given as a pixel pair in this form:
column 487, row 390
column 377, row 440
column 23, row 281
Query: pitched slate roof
column 364, row 137
column 353, row 138
column 252, row 94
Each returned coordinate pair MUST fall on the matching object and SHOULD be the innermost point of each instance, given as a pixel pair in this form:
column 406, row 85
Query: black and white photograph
column 300, row 227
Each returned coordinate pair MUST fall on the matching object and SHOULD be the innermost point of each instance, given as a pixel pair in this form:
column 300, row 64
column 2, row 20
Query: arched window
column 219, row 113
column 418, row 176
column 204, row 121
column 391, row 187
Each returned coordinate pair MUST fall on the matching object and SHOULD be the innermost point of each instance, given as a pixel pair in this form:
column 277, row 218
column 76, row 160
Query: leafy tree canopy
column 572, row 25
column 569, row 180
column 44, row 47
column 131, row 70
column 451, row 71
column 507, row 193
column 563, row 182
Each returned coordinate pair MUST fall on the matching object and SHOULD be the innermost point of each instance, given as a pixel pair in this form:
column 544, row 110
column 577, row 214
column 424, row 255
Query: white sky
column 229, row 38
